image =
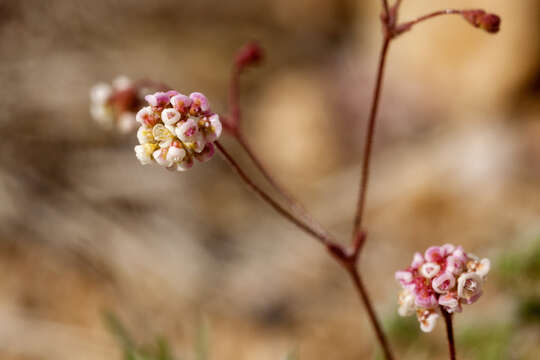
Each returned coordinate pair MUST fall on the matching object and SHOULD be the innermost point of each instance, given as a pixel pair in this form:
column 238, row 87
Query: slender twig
column 449, row 333
column 381, row 337
column 322, row 236
column 386, row 7
column 409, row 24
column 234, row 106
column 369, row 137
column 295, row 206
column 234, row 122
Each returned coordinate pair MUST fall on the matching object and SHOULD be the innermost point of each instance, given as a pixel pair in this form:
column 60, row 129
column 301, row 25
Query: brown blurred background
column 84, row 229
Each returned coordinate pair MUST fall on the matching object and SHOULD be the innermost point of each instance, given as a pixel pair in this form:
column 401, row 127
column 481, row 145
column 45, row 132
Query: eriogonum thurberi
column 176, row 129
column 444, row 277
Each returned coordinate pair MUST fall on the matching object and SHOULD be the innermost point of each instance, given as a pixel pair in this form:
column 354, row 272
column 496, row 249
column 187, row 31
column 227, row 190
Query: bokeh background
column 92, row 244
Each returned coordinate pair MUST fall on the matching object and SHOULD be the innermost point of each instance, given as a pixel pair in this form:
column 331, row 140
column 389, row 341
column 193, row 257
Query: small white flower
column 187, row 131
column 160, row 156
column 429, row 269
column 418, row 260
column 427, row 320
column 175, row 154
column 450, row 302
column 121, row 83
column 185, row 165
column 144, row 135
column 103, row 114
column 147, row 117
column 163, row 135
column 483, row 267
column 406, row 303
column 126, row 122
column 170, row 116
column 100, row 93
column 144, row 153
column 469, row 285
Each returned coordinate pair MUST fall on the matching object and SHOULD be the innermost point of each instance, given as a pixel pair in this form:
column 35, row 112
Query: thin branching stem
column 379, row 332
column 410, row 24
column 322, row 236
column 235, row 120
column 364, row 180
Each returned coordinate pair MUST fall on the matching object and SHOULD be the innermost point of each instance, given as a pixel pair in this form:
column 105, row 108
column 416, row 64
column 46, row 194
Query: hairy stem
column 369, row 137
column 322, row 236
column 450, row 334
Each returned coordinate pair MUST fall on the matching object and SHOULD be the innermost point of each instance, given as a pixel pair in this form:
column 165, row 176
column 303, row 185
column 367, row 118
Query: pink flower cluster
column 175, row 129
column 445, row 277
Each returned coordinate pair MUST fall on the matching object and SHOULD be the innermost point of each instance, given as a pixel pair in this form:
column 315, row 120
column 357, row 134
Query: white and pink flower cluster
column 113, row 106
column 445, row 277
column 176, row 129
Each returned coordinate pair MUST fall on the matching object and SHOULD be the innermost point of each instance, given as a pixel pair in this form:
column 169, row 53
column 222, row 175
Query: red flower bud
column 480, row 19
column 249, row 54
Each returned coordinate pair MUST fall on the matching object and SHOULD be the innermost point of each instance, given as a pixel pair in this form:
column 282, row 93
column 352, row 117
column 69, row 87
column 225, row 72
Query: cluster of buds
column 444, row 278
column 114, row 106
column 175, row 129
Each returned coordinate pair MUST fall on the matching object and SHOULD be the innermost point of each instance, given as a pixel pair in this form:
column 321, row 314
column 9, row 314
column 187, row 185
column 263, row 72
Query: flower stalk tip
column 480, row 19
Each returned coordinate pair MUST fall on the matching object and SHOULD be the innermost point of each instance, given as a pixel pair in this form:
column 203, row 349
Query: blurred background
column 93, row 245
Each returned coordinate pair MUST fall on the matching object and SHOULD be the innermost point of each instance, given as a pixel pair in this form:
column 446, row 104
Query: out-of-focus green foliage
column 520, row 267
column 486, row 342
column 132, row 351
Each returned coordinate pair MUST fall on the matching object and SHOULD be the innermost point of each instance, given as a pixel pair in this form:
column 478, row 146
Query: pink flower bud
column 404, row 276
column 425, row 300
column 434, row 253
column 187, row 131
column 181, row 103
column 147, row 117
column 206, row 154
column 199, row 105
column 454, row 265
column 158, row 99
column 248, row 55
column 443, row 283
column 418, row 260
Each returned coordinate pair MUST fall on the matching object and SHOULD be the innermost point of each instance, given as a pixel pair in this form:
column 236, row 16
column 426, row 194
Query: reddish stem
column 449, row 333
column 409, row 24
column 359, row 285
column 369, row 136
column 322, row 236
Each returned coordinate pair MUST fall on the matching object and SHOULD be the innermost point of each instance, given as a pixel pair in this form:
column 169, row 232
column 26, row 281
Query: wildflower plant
column 174, row 129
column 441, row 280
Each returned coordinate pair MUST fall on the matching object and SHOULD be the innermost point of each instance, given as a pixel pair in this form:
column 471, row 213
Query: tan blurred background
column 84, row 229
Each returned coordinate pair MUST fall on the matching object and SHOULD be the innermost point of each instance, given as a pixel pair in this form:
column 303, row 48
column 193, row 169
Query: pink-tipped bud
column 181, row 103
column 480, row 19
column 249, row 54
column 199, row 104
column 158, row 99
